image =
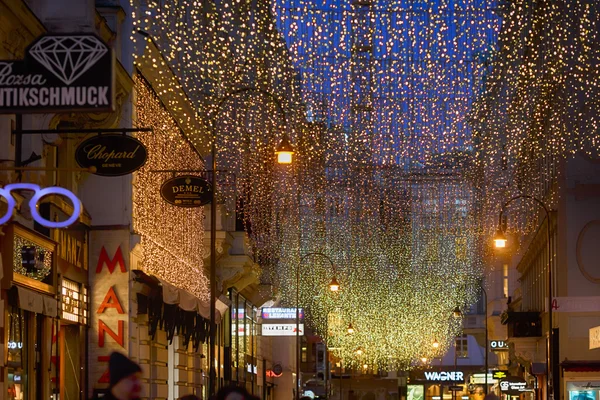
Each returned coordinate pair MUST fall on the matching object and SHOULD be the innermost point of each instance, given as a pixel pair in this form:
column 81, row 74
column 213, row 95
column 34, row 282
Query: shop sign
column 444, row 376
column 513, row 385
column 498, row 345
column 497, row 374
column 111, row 154
column 109, row 301
column 574, row 304
column 35, row 199
column 280, row 313
column 595, row 338
column 186, row 191
column 15, row 345
column 282, row 329
column 74, row 301
column 479, row 379
column 72, row 72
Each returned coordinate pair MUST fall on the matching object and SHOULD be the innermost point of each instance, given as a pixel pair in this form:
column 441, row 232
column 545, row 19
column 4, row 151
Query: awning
column 37, row 302
column 185, row 300
column 580, row 366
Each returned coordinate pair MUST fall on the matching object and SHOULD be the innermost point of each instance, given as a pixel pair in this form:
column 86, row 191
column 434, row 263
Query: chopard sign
column 112, row 155
column 73, row 72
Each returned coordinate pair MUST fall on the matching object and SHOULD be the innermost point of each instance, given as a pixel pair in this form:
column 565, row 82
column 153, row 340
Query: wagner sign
column 444, row 376
column 111, row 155
column 186, row 191
column 73, row 72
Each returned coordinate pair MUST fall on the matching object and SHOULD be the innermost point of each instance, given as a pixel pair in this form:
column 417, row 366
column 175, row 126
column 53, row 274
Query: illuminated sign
column 39, row 194
column 513, row 385
column 186, row 191
column 280, row 313
column 281, row 329
column 479, row 379
column 443, row 376
column 73, row 302
column 498, row 345
column 74, row 72
column 499, row 374
column 111, row 155
column 15, row 345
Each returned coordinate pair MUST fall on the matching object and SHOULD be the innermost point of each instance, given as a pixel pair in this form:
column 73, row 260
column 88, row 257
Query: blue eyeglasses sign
column 39, row 193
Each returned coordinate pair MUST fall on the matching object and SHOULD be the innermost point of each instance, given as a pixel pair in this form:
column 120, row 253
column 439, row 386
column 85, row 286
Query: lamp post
column 500, row 242
column 333, row 286
column 213, row 223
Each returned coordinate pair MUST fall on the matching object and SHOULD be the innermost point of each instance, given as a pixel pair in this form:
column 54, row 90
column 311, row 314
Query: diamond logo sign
column 74, row 72
column 68, row 57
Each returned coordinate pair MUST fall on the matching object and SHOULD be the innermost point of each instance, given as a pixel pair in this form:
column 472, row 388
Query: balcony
column 522, row 324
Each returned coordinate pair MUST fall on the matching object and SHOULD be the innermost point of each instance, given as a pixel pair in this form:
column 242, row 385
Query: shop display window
column 17, row 355
column 583, row 390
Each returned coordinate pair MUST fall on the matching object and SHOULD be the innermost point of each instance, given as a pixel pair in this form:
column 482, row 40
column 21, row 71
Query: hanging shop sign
column 72, row 72
column 444, row 376
column 186, row 191
column 282, row 329
column 111, row 154
column 281, row 313
column 498, row 374
column 498, row 345
column 33, row 203
column 513, row 385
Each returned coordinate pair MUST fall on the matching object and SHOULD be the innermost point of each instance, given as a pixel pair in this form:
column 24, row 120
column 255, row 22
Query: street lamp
column 550, row 368
column 350, row 329
column 284, row 150
column 333, row 286
column 213, row 224
column 456, row 313
column 435, row 344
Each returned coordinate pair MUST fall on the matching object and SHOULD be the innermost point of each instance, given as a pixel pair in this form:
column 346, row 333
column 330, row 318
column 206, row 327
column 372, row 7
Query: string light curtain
column 540, row 106
column 172, row 238
column 377, row 97
column 390, row 86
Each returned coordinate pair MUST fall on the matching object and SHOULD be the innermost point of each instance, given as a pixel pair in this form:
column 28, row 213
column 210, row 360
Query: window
column 462, row 350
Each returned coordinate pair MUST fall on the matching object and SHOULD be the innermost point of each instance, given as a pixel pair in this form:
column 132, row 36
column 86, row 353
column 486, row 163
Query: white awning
column 37, row 302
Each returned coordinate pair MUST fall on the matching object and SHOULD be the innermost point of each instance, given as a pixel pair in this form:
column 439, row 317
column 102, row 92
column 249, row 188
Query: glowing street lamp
column 334, row 286
column 500, row 239
column 435, row 344
column 284, row 150
column 350, row 329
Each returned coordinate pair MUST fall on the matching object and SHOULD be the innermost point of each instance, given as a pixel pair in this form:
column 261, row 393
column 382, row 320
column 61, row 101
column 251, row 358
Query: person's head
column 232, row 393
column 125, row 377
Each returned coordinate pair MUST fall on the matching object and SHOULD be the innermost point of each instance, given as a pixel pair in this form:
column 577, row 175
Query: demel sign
column 71, row 72
column 5, row 192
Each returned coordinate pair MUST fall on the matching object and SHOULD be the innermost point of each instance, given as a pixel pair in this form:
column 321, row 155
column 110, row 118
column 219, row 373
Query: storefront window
column 17, row 355
column 32, row 260
column 583, row 390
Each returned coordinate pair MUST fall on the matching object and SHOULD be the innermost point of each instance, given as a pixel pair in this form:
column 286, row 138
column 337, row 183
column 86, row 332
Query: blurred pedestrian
column 234, row 393
column 125, row 378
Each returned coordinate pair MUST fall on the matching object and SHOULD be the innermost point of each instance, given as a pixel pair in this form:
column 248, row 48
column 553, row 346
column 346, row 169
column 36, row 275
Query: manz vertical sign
column 72, row 72
column 109, row 278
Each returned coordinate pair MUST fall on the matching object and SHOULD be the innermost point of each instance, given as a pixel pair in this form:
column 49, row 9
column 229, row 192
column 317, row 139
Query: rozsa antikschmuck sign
column 72, row 72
